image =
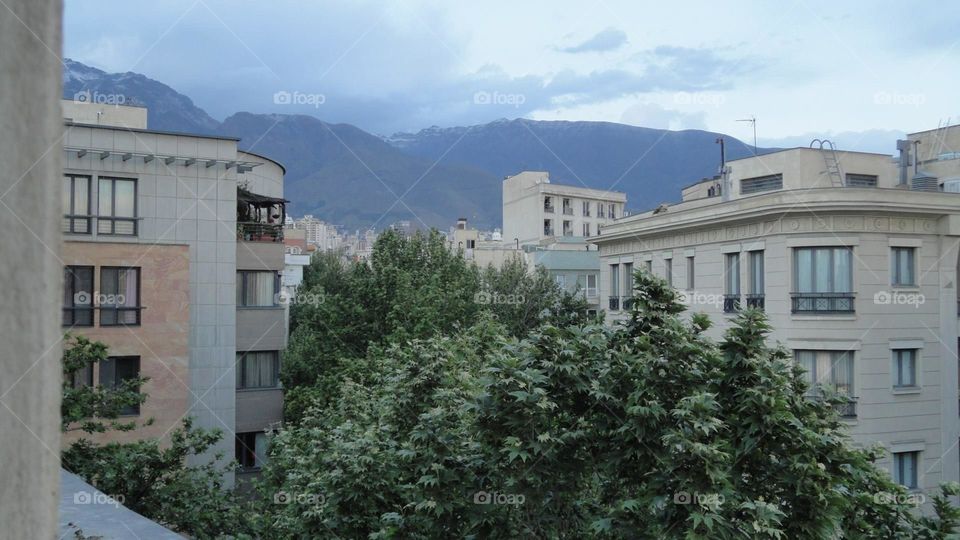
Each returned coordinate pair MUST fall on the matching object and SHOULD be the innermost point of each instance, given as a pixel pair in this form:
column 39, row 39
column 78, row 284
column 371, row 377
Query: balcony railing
column 119, row 315
column 731, row 303
column 614, row 303
column 259, row 232
column 806, row 302
column 548, row 231
column 568, row 210
column 628, row 302
column 568, row 232
column 755, row 301
column 847, row 409
column 78, row 316
column 548, row 208
column 76, row 223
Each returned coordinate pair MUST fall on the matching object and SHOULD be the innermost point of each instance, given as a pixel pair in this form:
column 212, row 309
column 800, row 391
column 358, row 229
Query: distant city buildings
column 854, row 258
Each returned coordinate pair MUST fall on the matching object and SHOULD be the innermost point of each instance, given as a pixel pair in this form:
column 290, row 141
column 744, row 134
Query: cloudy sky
column 857, row 71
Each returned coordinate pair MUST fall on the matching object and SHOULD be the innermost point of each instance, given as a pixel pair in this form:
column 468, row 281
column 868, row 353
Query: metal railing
column 568, row 210
column 847, row 409
column 731, row 303
column 822, row 302
column 76, row 223
column 259, row 232
column 614, row 303
column 756, row 301
column 548, row 208
column 548, row 231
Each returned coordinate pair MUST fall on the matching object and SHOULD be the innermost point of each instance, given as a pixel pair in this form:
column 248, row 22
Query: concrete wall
column 85, row 112
column 30, row 370
column 258, row 409
column 260, row 255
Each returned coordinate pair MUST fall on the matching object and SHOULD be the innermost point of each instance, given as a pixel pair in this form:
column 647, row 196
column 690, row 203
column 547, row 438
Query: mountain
column 167, row 110
column 349, row 177
column 650, row 165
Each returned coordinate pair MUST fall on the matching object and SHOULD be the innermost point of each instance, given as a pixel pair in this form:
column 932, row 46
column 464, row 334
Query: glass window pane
column 106, row 197
column 109, row 281
column 843, row 270
column 614, row 280
column 67, row 190
column 125, row 199
column 822, row 270
column 81, row 200
column 804, row 270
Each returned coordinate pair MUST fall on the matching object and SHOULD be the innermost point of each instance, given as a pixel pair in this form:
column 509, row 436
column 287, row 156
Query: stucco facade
column 859, row 282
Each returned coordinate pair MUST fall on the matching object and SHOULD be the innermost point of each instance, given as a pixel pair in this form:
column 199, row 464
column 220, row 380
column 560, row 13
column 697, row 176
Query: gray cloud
column 606, row 40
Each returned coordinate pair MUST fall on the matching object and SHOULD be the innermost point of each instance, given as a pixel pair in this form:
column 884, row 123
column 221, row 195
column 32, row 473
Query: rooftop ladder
column 830, row 159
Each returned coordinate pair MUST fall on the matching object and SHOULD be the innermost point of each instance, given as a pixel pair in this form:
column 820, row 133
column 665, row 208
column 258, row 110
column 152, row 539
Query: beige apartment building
column 173, row 244
column 854, row 258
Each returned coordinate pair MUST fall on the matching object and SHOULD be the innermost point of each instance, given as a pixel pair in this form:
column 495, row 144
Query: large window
column 668, row 271
column 78, row 296
column 251, row 449
column 117, row 207
column 691, row 274
column 903, row 266
column 614, row 287
column 905, row 368
column 761, row 183
column 256, row 288
column 823, row 280
column 76, row 204
column 612, row 211
column 591, row 285
column 861, row 180
column 258, row 369
column 119, row 297
column 117, row 369
column 586, row 208
column 905, row 465
column 731, row 283
column 833, row 369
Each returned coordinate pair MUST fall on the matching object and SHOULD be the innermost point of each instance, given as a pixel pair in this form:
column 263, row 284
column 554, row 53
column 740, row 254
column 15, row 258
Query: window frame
column 125, row 308
column 691, row 273
column 242, row 289
column 241, row 369
column 111, row 361
column 761, row 184
column 899, row 469
column 113, row 218
column 833, row 300
column 72, row 293
column 914, row 358
column 814, row 378
column 73, row 217
column 668, row 271
column 895, row 274
column 245, row 446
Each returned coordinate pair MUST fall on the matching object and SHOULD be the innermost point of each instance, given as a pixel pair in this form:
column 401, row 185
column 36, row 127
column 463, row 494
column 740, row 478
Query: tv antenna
column 753, row 122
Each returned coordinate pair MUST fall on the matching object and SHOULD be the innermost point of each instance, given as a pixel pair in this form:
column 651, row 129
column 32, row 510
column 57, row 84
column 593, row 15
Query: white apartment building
column 854, row 258
column 538, row 212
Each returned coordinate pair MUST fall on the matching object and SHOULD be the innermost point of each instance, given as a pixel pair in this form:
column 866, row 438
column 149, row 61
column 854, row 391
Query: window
column 731, row 283
column 567, row 228
column 649, row 265
column 905, row 368
column 691, row 274
column 823, row 280
column 78, row 296
column 117, row 207
column 117, row 369
column 586, row 208
column 902, row 264
column 119, row 296
column 547, row 227
column 905, row 465
column 586, row 229
column 567, row 206
column 614, row 287
column 756, row 272
column 761, row 183
column 600, row 210
column 668, row 271
column 251, row 449
column 561, row 280
column 256, row 288
column 76, row 204
column 833, row 369
column 611, row 211
column 591, row 284
column 82, row 377
column 548, row 204
column 471, row 244
column 258, row 369
column 861, row 180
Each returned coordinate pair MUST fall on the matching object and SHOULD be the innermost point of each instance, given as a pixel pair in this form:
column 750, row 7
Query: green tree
column 645, row 430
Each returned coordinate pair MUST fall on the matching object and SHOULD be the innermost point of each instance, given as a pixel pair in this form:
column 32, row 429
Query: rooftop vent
column 923, row 181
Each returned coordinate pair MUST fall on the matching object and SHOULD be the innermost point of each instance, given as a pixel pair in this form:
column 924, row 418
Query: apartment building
column 541, row 218
column 172, row 247
column 481, row 248
column 854, row 258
